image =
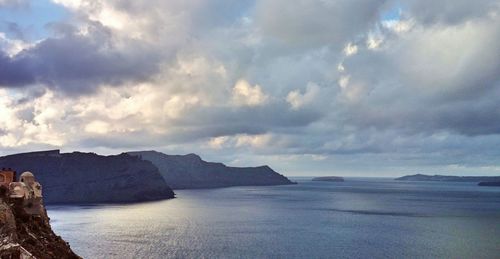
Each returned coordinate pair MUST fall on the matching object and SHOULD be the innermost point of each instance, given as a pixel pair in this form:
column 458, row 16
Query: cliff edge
column 191, row 172
column 23, row 235
column 90, row 178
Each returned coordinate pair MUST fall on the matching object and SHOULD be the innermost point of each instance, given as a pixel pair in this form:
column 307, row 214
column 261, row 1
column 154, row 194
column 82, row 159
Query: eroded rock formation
column 23, row 235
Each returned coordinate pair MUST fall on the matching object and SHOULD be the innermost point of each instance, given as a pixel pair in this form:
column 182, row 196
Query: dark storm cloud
column 76, row 63
column 15, row 71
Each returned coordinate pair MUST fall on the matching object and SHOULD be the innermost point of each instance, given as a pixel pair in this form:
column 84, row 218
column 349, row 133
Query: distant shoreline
column 490, row 184
column 328, row 179
column 448, row 178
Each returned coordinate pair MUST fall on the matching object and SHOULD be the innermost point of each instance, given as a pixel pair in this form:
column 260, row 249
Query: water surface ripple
column 358, row 218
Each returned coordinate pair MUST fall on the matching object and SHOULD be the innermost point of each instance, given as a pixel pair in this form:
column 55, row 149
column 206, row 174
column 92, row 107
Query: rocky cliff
column 28, row 236
column 190, row 171
column 90, row 178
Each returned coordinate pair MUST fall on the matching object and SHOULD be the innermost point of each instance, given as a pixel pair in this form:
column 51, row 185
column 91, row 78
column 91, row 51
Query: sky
column 324, row 87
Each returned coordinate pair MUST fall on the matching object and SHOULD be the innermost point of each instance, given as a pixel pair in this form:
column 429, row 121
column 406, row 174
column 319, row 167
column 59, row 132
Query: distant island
column 449, row 178
column 489, row 184
column 328, row 179
column 191, row 172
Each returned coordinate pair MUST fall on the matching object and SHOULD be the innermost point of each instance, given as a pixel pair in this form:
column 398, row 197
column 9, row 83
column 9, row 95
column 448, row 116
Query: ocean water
column 359, row 218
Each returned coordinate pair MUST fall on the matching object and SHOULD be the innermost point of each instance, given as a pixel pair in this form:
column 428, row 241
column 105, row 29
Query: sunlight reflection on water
column 357, row 218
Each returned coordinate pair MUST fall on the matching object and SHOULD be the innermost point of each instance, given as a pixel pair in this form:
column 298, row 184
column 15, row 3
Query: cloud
column 310, row 24
column 245, row 94
column 296, row 99
column 240, row 141
column 313, row 84
column 78, row 63
column 449, row 12
column 97, row 126
column 449, row 68
column 350, row 49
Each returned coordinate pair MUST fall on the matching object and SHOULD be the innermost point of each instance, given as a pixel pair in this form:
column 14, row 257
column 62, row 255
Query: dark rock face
column 27, row 236
column 329, row 179
column 489, row 184
column 448, row 178
column 191, row 172
column 90, row 178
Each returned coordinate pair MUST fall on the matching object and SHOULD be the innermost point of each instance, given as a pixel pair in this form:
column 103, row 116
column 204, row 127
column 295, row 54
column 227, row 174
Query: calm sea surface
column 359, row 218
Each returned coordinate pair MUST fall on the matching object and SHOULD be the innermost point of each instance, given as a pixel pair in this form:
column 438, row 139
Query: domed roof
column 27, row 174
column 27, row 177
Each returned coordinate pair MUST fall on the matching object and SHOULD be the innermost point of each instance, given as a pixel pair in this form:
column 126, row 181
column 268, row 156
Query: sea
column 358, row 218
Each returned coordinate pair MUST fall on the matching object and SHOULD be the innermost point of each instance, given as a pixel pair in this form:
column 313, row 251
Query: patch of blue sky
column 14, row 93
column 393, row 13
column 31, row 20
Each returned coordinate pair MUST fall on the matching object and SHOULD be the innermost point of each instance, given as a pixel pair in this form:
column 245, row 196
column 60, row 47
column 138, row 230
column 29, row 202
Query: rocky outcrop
column 328, row 179
column 90, row 178
column 448, row 178
column 28, row 236
column 190, row 171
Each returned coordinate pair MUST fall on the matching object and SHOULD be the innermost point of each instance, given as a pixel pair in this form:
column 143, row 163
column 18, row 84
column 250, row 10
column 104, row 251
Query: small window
column 2, row 178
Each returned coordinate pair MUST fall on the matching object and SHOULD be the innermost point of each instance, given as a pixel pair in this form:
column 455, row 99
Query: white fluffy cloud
column 245, row 94
column 297, row 99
